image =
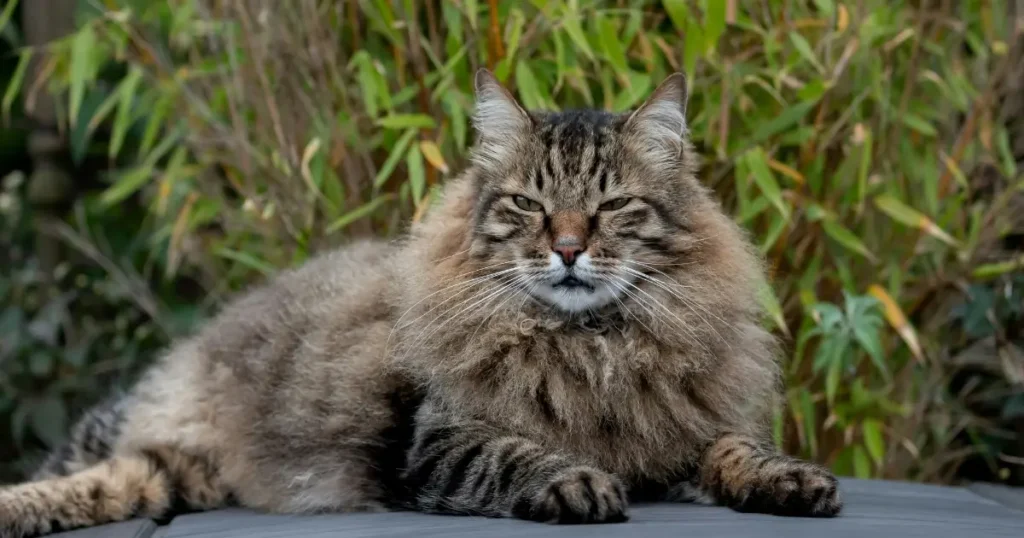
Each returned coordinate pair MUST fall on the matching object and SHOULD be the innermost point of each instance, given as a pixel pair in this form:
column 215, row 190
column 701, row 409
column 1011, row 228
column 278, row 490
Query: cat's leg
column 748, row 476
column 150, row 483
column 473, row 469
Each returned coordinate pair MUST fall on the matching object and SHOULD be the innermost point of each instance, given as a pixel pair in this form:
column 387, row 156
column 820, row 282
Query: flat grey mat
column 873, row 509
column 137, row 528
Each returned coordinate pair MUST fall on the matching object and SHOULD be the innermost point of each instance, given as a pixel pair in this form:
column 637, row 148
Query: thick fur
column 468, row 369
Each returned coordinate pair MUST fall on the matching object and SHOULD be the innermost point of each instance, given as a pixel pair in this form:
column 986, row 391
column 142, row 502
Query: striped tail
column 152, row 483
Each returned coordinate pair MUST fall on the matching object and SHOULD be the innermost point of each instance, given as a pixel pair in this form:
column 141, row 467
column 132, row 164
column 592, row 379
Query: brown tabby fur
column 449, row 373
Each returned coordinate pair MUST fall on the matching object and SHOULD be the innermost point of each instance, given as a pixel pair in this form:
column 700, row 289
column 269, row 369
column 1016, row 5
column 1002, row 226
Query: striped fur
column 150, row 483
column 475, row 468
column 469, row 368
column 91, row 441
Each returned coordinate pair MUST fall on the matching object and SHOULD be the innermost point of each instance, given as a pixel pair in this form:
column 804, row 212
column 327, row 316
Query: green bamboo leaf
column 757, row 161
column 714, row 23
column 846, row 238
column 357, row 213
column 992, row 270
column 827, row 7
column 639, row 87
column 472, row 13
column 14, row 85
column 810, row 420
column 123, row 119
column 366, row 75
column 82, row 55
column 770, row 302
column 247, row 259
column 868, row 339
column 835, row 372
column 918, row 124
column 515, row 32
column 102, row 111
column 405, row 121
column 155, row 124
column 786, row 119
column 417, row 175
column 5, row 17
column 693, row 46
column 804, row 48
column 778, row 226
column 571, row 23
column 861, row 462
column 397, row 152
column 457, row 118
column 127, row 183
column 132, row 180
column 865, row 166
column 678, row 11
column 613, row 50
column 873, row 440
column 528, row 86
column 1009, row 162
column 909, row 216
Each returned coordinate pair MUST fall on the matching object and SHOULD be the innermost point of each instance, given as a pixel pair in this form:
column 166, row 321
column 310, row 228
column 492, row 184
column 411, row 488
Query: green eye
column 612, row 205
column 526, row 204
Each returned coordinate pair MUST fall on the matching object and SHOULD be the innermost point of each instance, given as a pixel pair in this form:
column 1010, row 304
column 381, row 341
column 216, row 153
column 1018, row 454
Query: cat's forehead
column 573, row 130
column 574, row 149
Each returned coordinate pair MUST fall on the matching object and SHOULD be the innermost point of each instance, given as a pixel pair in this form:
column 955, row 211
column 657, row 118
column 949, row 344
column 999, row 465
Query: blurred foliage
column 868, row 145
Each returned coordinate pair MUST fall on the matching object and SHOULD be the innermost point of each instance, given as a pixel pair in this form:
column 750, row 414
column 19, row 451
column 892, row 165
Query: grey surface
column 873, row 509
column 1012, row 497
column 137, row 528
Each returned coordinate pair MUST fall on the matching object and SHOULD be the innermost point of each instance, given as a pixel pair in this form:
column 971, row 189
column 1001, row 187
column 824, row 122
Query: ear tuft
column 498, row 115
column 658, row 128
column 500, row 121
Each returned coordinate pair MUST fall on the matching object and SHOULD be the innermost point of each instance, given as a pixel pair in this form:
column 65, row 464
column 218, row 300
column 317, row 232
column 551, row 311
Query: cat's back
column 281, row 375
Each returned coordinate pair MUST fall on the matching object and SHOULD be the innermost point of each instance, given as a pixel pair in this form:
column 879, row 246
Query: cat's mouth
column 573, row 283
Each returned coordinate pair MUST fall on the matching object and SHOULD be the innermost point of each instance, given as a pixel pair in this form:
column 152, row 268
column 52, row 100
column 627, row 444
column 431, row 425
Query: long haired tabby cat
column 574, row 326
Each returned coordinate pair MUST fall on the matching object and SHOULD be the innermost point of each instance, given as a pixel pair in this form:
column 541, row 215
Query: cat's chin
column 576, row 298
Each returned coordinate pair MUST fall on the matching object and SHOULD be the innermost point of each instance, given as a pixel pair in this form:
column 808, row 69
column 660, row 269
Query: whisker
column 626, row 311
column 488, row 295
column 688, row 302
column 459, row 285
column 680, row 323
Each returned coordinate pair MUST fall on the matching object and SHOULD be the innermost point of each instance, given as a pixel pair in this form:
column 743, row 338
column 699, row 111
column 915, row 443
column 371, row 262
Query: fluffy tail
column 152, row 483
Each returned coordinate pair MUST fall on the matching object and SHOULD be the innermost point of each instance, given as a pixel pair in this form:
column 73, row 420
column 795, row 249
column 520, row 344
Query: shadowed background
column 158, row 156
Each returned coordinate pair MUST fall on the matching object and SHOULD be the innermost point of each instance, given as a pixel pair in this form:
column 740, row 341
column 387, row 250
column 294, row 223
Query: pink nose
column 568, row 248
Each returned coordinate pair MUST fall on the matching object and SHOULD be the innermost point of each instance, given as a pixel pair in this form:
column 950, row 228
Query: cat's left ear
column 658, row 128
column 500, row 121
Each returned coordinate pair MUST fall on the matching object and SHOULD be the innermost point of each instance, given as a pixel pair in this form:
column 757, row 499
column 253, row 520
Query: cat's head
column 576, row 207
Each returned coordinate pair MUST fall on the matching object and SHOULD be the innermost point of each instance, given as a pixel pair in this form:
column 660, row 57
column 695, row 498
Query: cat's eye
column 612, row 205
column 526, row 204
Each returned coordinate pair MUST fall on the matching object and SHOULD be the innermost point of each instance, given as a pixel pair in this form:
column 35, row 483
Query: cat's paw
column 575, row 496
column 792, row 488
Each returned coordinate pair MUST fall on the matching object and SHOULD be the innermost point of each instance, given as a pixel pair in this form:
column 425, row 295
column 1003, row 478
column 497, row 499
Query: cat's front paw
column 577, row 495
column 792, row 488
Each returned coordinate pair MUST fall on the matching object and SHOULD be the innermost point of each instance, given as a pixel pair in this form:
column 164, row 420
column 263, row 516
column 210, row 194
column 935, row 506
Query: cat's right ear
column 499, row 119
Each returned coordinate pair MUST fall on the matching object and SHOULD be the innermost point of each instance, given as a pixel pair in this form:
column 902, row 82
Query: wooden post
column 50, row 187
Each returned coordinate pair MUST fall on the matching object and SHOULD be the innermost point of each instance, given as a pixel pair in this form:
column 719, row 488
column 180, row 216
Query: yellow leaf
column 842, row 19
column 307, row 156
column 177, row 233
column 433, row 155
column 163, row 195
column 786, row 171
column 894, row 315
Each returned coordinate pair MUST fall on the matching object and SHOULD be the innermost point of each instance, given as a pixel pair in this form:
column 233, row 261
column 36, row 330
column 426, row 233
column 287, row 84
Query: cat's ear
column 658, row 128
column 500, row 121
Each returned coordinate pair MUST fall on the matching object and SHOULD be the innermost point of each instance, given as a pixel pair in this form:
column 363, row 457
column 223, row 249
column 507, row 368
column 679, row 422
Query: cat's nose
column 568, row 247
